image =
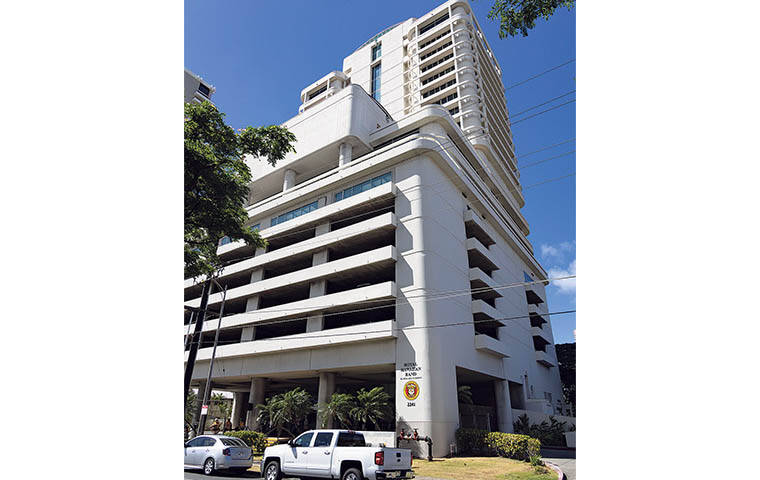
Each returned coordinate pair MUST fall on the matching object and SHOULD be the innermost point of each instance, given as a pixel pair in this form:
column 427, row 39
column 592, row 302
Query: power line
column 528, row 165
column 539, row 75
column 542, row 112
column 403, row 329
column 424, row 297
column 545, row 148
column 541, row 104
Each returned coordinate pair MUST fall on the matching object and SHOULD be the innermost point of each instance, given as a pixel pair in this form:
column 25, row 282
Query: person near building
column 215, row 426
column 227, row 425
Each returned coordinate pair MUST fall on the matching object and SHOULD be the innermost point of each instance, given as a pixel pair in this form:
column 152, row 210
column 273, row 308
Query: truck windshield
column 346, row 439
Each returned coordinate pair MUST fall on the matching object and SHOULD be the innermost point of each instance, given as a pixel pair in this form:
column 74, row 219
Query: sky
column 260, row 54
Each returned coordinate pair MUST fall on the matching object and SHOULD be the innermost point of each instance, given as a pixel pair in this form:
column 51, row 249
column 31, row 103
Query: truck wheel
column 272, row 471
column 351, row 474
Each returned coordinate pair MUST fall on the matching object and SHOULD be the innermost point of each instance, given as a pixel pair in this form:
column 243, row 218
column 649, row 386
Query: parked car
column 218, row 452
column 338, row 454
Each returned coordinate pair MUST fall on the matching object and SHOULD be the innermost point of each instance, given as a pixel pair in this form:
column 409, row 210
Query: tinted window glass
column 233, row 442
column 304, row 440
column 323, row 439
column 351, row 440
column 209, row 442
column 196, row 442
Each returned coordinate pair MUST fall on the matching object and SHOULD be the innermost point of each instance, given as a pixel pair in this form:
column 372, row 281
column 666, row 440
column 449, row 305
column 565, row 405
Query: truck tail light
column 226, row 452
column 379, row 458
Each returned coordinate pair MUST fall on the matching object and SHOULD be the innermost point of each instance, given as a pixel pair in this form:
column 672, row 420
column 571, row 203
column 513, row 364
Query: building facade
column 397, row 254
column 197, row 90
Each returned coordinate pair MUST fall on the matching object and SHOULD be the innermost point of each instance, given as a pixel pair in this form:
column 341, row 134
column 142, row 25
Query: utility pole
column 195, row 342
column 207, row 394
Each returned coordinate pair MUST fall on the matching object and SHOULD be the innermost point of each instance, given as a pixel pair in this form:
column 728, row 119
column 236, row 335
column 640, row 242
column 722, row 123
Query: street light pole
column 207, row 393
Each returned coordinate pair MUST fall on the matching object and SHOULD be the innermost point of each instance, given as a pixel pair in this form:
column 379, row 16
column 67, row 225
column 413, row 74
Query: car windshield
column 233, row 442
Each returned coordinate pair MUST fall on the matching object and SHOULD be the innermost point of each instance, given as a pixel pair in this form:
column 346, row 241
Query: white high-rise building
column 397, row 252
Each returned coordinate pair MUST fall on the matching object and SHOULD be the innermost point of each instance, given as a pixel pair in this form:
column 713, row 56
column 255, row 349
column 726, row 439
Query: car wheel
column 272, row 471
column 351, row 474
column 208, row 466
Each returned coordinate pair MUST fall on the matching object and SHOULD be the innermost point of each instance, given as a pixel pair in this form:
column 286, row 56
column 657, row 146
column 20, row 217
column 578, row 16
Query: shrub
column 256, row 440
column 510, row 445
column 536, row 461
column 470, row 440
column 550, row 433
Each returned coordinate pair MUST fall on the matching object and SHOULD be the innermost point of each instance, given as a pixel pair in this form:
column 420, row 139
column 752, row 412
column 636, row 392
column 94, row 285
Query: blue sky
column 260, row 54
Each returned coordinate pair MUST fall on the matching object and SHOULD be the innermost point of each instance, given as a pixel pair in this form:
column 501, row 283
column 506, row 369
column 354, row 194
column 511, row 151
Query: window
column 376, row 51
column 351, row 439
column 438, row 75
column 437, row 62
column 446, row 99
column 454, row 111
column 196, row 442
column 324, row 439
column 254, row 228
column 363, row 187
column 437, row 89
column 434, row 23
column 226, row 240
column 527, row 277
column 304, row 440
column 318, row 92
column 204, row 90
column 433, row 52
column 376, row 82
column 434, row 39
column 233, row 442
column 208, row 442
column 295, row 213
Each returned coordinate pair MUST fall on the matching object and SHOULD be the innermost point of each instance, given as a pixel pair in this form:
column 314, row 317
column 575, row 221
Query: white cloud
column 548, row 251
column 566, row 285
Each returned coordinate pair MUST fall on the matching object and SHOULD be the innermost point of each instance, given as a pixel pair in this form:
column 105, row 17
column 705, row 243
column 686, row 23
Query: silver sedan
column 217, row 452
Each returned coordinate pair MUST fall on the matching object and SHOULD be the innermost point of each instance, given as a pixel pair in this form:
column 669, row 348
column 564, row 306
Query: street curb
column 560, row 473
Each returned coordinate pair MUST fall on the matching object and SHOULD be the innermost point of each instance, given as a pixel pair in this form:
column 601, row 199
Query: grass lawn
column 482, row 468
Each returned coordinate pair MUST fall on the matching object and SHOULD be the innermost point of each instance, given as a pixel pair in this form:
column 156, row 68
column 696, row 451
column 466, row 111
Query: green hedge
column 471, row 440
column 512, row 445
column 509, row 445
column 256, row 440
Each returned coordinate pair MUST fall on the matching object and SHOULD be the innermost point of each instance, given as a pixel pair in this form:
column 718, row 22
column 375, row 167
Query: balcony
column 544, row 359
column 303, row 341
column 536, row 317
column 337, row 302
column 479, row 256
column 532, row 296
column 365, row 263
column 543, row 334
column 484, row 284
column 329, row 213
column 335, row 239
column 486, row 315
column 490, row 345
column 476, row 227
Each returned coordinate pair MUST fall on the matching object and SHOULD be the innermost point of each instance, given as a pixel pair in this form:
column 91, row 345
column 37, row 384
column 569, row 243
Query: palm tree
column 286, row 411
column 221, row 402
column 464, row 394
column 189, row 406
column 372, row 406
column 339, row 407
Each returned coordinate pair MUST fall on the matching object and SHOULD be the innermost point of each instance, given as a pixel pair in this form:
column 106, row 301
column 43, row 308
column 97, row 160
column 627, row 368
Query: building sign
column 204, row 410
column 411, row 390
column 409, row 379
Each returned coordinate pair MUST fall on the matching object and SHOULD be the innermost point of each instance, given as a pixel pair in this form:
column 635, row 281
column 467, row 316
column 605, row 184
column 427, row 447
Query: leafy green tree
column 521, row 15
column 217, row 179
column 339, row 408
column 287, row 411
column 222, row 404
column 464, row 394
column 372, row 406
column 189, row 406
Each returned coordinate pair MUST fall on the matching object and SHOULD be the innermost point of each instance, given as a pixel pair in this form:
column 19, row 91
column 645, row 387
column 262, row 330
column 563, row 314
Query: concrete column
column 290, row 179
column 315, row 323
column 503, row 406
column 237, row 408
column 248, row 334
column 252, row 303
column 345, row 151
column 326, row 389
column 322, row 228
column 258, row 387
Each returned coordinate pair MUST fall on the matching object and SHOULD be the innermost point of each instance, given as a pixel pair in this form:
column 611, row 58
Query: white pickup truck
column 336, row 454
